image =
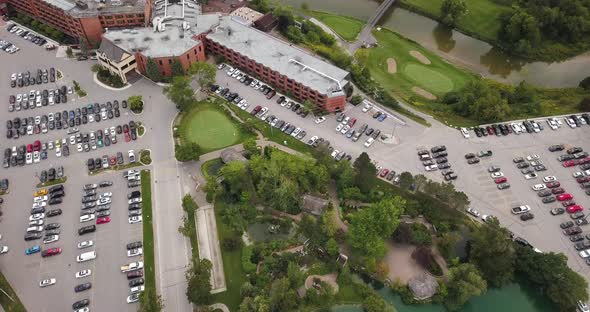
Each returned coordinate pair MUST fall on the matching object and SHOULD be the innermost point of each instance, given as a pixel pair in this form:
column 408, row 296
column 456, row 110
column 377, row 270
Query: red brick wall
column 197, row 53
column 92, row 29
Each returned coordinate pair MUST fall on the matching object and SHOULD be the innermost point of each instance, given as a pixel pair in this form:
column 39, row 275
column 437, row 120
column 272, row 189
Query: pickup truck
column 521, row 209
column 133, row 266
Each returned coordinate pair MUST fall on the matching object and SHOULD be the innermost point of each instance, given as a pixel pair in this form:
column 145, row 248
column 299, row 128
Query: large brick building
column 280, row 64
column 86, row 19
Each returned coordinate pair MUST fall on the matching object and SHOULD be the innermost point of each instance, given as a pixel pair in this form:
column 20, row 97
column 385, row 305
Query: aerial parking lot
column 60, row 266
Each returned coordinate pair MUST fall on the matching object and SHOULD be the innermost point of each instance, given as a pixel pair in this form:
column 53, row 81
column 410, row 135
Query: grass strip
column 6, row 291
column 148, row 231
column 54, row 182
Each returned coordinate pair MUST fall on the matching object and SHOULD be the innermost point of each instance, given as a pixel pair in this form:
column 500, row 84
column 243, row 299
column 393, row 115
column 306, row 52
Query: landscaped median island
column 149, row 299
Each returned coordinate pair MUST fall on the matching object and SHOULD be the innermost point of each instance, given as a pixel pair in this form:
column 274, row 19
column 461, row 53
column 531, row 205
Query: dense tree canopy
column 464, row 282
column 203, row 72
column 492, row 251
column 199, row 282
column 180, row 93
column 370, row 226
column 364, row 173
column 451, row 10
column 187, row 151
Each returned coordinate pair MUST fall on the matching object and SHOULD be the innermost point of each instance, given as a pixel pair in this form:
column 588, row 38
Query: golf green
column 427, row 78
column 210, row 129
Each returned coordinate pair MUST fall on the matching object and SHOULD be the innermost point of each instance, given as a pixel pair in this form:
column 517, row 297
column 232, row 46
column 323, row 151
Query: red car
column 352, row 122
column 384, row 172
column 51, row 252
column 583, row 179
column 127, row 137
column 558, row 190
column 500, row 180
column 564, row 197
column 37, row 146
column 584, row 161
column 569, row 163
column 490, row 130
column 552, row 184
column 102, row 220
column 574, row 209
column 29, row 148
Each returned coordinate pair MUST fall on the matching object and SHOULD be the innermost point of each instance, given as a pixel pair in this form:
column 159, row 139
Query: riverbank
column 346, row 27
column 483, row 21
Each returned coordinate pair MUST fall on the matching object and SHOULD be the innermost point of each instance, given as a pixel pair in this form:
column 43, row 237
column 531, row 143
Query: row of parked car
column 42, row 199
column 8, row 47
column 345, row 126
column 38, row 98
column 247, row 80
column 62, row 120
column 27, row 35
column 109, row 161
column 51, row 174
column 529, row 126
column 25, row 79
column 436, row 159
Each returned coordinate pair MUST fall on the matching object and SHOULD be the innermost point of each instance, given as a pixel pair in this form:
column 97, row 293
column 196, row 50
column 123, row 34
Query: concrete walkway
column 219, row 306
column 209, row 246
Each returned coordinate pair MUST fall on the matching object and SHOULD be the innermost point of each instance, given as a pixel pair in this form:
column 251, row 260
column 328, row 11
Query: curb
column 98, row 82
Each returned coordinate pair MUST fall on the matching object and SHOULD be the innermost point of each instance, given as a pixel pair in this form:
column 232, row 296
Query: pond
column 476, row 55
column 261, row 232
column 512, row 297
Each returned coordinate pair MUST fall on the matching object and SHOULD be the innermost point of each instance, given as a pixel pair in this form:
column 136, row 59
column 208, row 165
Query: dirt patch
column 424, row 93
column 402, row 267
column 329, row 279
column 391, row 66
column 420, row 57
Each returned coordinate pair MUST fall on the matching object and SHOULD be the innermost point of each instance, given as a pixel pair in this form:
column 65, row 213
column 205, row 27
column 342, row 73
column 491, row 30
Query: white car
column 134, row 252
column 473, row 212
column 58, row 151
column 549, row 179
column 40, row 199
column 131, row 155
column 83, row 273
column 345, row 129
column 487, row 218
column 36, row 222
column 86, row 217
column 47, row 282
column 498, row 174
column 585, row 253
column 39, row 204
column 29, row 159
column 532, row 157
column 106, row 194
column 85, row 244
column 552, row 123
column 50, row 239
column 104, row 201
column 296, row 132
column 578, row 174
column 79, row 147
column 339, row 127
column 570, row 122
column 135, row 200
column 538, row 187
column 431, row 168
column 369, row 142
column 3, row 249
column 37, row 216
column 516, row 128
column 334, row 153
column 465, row 133
column 135, row 219
column 320, row 119
column 137, row 289
column 91, row 118
column 72, row 140
column 36, row 157
column 583, row 306
column 531, row 176
column 133, row 298
column 253, row 83
column 367, row 107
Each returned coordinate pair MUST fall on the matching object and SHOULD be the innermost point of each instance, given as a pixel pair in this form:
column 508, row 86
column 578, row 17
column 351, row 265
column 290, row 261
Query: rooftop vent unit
column 116, row 3
column 165, row 38
column 117, row 40
column 147, row 39
column 81, row 5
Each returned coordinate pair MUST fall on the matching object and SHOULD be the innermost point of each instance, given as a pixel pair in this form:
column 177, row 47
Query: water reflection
column 443, row 36
column 498, row 63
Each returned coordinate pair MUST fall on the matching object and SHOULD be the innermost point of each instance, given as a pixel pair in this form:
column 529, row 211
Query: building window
column 187, row 56
column 169, row 61
column 160, row 61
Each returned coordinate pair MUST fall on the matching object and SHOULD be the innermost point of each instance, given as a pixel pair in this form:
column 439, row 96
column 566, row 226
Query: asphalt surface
column 543, row 232
column 110, row 287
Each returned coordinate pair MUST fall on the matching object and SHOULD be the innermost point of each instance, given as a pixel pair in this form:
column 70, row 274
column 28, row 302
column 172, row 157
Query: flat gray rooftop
column 280, row 56
column 171, row 42
column 87, row 8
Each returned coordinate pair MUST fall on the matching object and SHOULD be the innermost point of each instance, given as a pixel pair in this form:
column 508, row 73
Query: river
column 513, row 297
column 476, row 55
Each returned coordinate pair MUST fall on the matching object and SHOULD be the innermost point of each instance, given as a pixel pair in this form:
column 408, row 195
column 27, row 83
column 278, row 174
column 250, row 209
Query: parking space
column 110, row 287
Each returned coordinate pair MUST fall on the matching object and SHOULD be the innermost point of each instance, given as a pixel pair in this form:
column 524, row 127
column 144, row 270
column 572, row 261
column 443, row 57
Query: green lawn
column 346, row 27
column 209, row 127
column 438, row 78
column 148, row 230
column 482, row 19
column 232, row 267
column 5, row 302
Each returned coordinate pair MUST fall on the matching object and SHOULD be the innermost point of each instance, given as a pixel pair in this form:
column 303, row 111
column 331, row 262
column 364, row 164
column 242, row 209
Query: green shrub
column 136, row 103
column 247, row 264
column 356, row 99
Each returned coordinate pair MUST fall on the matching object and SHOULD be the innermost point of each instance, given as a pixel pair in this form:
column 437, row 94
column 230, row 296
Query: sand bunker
column 391, row 66
column 420, row 57
column 424, row 93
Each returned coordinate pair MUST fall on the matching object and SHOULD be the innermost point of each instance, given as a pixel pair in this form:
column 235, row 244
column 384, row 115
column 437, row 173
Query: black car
column 134, row 274
column 136, row 282
column 37, row 210
column 134, row 194
column 52, row 226
column 80, row 304
column 55, row 201
column 56, row 188
column 53, row 213
column 32, row 236
column 90, row 164
column 82, row 287
column 105, row 184
column 87, row 229
column 134, row 245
